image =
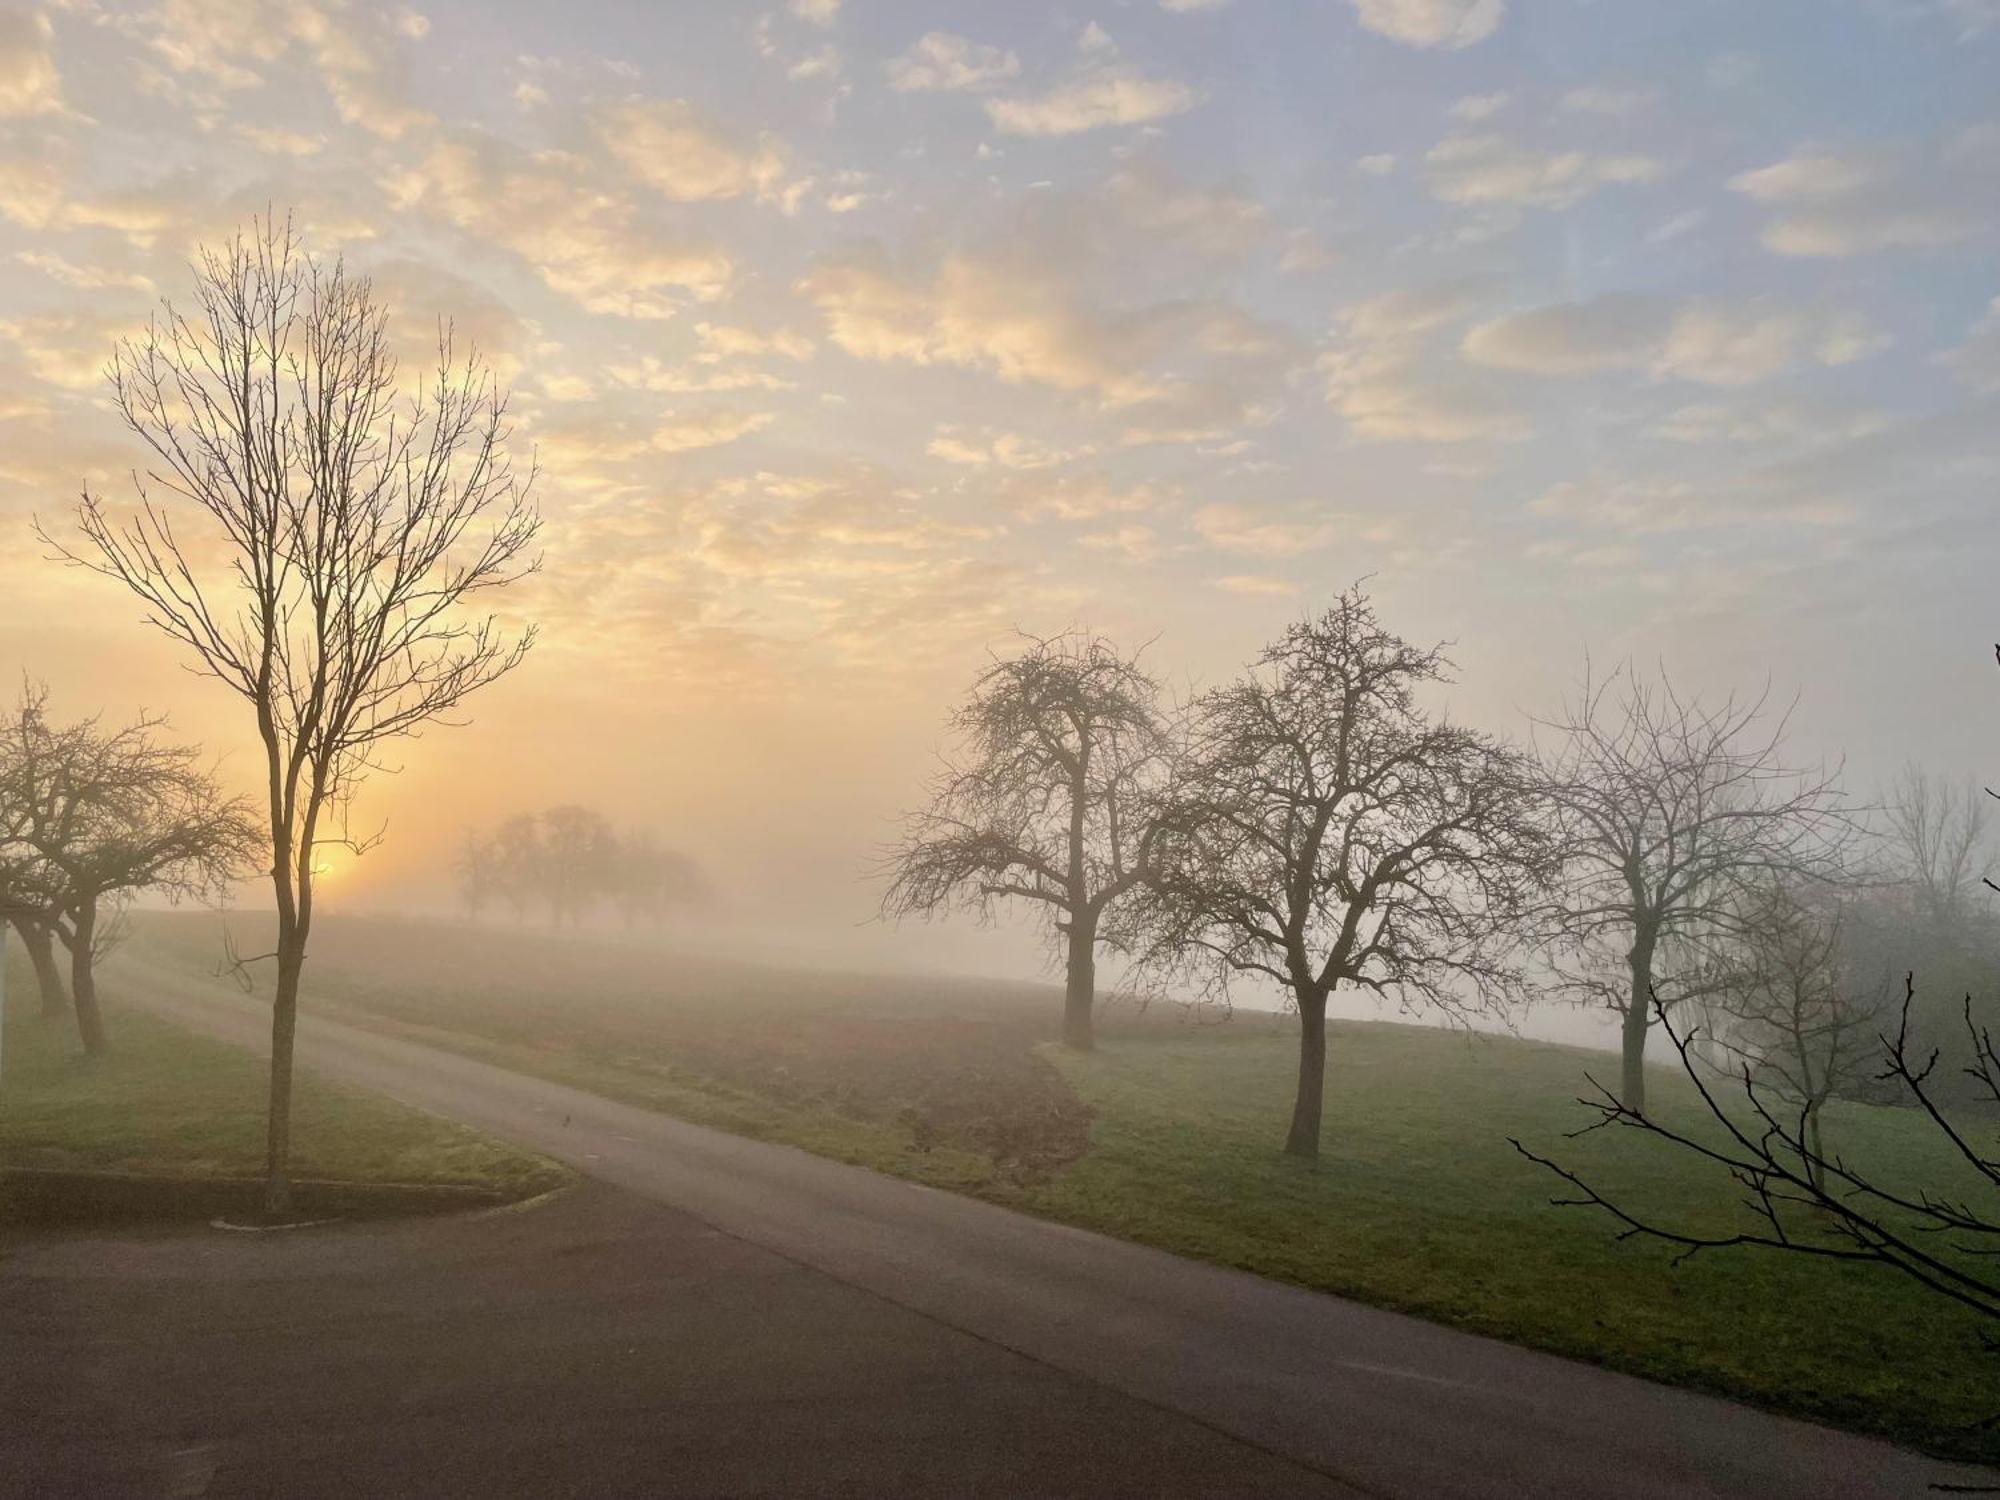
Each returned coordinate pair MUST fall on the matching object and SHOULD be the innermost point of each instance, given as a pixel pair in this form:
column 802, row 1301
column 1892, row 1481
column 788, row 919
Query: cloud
column 1614, row 103
column 1476, row 107
column 1571, row 338
column 816, row 12
column 70, row 348
column 683, row 433
column 1764, row 422
column 1008, row 450
column 1976, row 362
column 1078, row 497
column 1396, row 400
column 1185, row 6
column 1654, row 507
column 1239, row 528
column 419, row 297
column 1829, row 203
column 939, row 61
column 721, row 341
column 1254, row 583
column 977, row 316
column 583, row 241
column 1431, row 23
column 666, row 146
column 89, row 278
column 1177, row 371
column 1380, row 381
column 1493, row 169
column 29, row 81
column 1214, row 222
column 359, row 54
column 1112, row 95
column 275, row 141
column 1706, row 340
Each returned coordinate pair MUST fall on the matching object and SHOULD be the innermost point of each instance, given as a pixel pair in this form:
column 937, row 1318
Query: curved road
column 1379, row 1403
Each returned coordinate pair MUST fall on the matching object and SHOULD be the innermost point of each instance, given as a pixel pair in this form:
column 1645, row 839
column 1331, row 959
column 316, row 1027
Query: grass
column 1168, row 1134
column 169, row 1102
column 1420, row 1203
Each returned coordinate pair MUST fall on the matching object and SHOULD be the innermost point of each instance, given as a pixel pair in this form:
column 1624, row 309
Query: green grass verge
column 170, row 1102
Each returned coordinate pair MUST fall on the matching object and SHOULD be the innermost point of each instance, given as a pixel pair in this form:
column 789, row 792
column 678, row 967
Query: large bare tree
column 1670, row 810
column 313, row 534
column 1327, row 832
column 1050, row 801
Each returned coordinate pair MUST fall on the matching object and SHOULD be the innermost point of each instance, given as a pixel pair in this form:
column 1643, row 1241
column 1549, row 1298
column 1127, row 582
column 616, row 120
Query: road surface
column 1373, row 1402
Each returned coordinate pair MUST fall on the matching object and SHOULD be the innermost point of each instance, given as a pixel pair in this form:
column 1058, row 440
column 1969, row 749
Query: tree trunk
column 1638, row 1021
column 1080, row 984
column 1815, row 1164
column 83, row 981
column 1304, row 1138
column 284, row 1028
column 41, row 946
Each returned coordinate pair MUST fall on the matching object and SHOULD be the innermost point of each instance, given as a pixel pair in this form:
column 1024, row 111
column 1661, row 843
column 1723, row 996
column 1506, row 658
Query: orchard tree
column 1326, row 832
column 1670, row 812
column 103, row 814
column 1794, row 1006
column 1049, row 801
column 315, row 537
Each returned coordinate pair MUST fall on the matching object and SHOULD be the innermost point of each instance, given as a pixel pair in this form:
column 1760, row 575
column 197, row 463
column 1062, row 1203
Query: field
column 171, row 1103
column 1168, row 1134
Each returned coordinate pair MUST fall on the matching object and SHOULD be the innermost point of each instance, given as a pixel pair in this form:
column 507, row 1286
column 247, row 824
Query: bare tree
column 478, row 872
column 1051, row 802
column 1325, row 831
column 569, row 858
column 1668, row 810
column 30, row 887
column 1791, row 1007
column 107, row 813
column 1803, row 1201
column 651, row 880
column 1939, row 833
column 579, row 862
column 341, row 529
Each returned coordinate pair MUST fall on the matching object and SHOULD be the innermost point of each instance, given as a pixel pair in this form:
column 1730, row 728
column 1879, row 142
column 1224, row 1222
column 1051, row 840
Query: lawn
column 1169, row 1134
column 170, row 1102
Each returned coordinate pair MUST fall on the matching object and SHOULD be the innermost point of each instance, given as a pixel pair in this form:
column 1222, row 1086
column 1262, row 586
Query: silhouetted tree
column 580, row 862
column 1668, row 810
column 1049, row 801
column 1791, row 1002
column 651, row 881
column 107, row 813
column 1325, row 831
column 30, row 887
column 569, row 859
column 1939, row 842
column 342, row 526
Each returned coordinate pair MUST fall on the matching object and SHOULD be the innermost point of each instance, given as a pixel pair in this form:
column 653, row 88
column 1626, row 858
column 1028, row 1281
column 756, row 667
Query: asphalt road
column 1351, row 1399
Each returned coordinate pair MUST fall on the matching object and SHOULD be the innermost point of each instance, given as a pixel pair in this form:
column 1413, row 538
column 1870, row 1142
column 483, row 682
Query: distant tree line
column 90, row 816
column 570, row 866
column 1317, row 826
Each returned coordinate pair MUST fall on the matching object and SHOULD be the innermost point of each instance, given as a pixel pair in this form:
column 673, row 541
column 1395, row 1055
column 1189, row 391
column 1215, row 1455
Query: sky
column 854, row 336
